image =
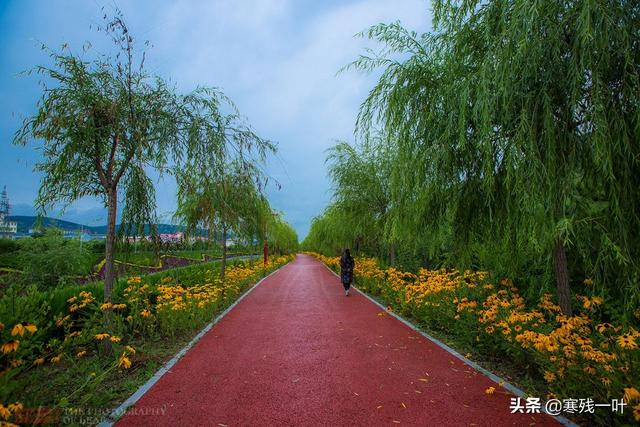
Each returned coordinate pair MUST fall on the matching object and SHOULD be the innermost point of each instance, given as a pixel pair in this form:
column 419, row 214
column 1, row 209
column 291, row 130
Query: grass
column 73, row 384
column 147, row 258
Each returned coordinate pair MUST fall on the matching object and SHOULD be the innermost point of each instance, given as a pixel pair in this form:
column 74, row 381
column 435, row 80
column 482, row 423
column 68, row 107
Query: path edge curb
column 513, row 389
column 117, row 413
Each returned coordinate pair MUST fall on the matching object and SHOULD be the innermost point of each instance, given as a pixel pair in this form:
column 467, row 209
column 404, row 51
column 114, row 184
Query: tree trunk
column 561, row 272
column 392, row 255
column 109, row 268
column 224, row 251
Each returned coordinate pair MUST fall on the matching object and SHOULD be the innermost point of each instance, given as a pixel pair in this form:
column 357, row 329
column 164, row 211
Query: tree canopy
column 105, row 123
column 514, row 127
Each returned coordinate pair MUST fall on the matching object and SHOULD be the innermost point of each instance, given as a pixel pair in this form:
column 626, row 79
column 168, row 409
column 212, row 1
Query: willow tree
column 330, row 232
column 102, row 125
column 282, row 237
column 518, row 122
column 360, row 177
column 220, row 185
column 235, row 195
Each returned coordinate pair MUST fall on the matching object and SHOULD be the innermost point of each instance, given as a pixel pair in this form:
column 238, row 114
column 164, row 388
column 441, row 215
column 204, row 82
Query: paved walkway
column 297, row 352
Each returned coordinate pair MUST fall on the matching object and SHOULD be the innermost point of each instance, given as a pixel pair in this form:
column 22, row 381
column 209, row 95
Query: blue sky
column 277, row 60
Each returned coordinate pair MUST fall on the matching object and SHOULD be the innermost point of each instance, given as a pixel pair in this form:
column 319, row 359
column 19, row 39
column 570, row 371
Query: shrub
column 48, row 261
column 8, row 245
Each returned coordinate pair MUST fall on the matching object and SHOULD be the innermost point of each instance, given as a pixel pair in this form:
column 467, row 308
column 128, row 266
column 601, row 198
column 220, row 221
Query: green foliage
column 50, row 260
column 106, row 123
column 10, row 260
column 510, row 134
column 8, row 246
column 232, row 201
column 281, row 236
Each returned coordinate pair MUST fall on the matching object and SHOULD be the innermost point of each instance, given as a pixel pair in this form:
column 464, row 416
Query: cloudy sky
column 276, row 59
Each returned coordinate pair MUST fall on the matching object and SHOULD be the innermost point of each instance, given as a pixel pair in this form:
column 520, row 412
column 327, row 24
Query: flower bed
column 60, row 335
column 578, row 356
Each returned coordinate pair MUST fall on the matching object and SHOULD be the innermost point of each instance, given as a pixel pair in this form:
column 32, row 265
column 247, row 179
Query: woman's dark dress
column 346, row 271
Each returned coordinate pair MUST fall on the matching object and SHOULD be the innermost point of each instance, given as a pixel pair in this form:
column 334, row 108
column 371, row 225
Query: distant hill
column 162, row 228
column 25, row 223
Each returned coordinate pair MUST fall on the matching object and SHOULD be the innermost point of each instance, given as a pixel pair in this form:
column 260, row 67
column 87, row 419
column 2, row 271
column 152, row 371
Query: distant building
column 7, row 228
column 171, row 237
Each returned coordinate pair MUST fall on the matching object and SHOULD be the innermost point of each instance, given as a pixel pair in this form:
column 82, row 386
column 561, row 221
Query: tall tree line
column 512, row 136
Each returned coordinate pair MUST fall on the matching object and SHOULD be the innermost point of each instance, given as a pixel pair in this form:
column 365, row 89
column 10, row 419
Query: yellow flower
column 636, row 412
column 4, row 412
column 549, row 376
column 81, row 353
column 18, row 329
column 489, row 329
column 606, row 381
column 490, row 390
column 16, row 362
column 106, row 306
column 124, row 361
column 10, row 346
column 30, row 327
column 627, row 341
column 39, row 361
column 145, row 313
column 589, row 370
column 552, row 346
column 588, row 282
column 115, row 339
column 15, row 407
column 60, row 321
column 102, row 336
column 631, row 394
column 130, row 349
column 57, row 358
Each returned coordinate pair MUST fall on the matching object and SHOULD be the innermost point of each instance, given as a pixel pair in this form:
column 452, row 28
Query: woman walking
column 346, row 270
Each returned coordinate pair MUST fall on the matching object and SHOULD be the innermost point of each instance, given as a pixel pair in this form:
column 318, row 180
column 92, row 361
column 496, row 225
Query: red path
column 296, row 351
